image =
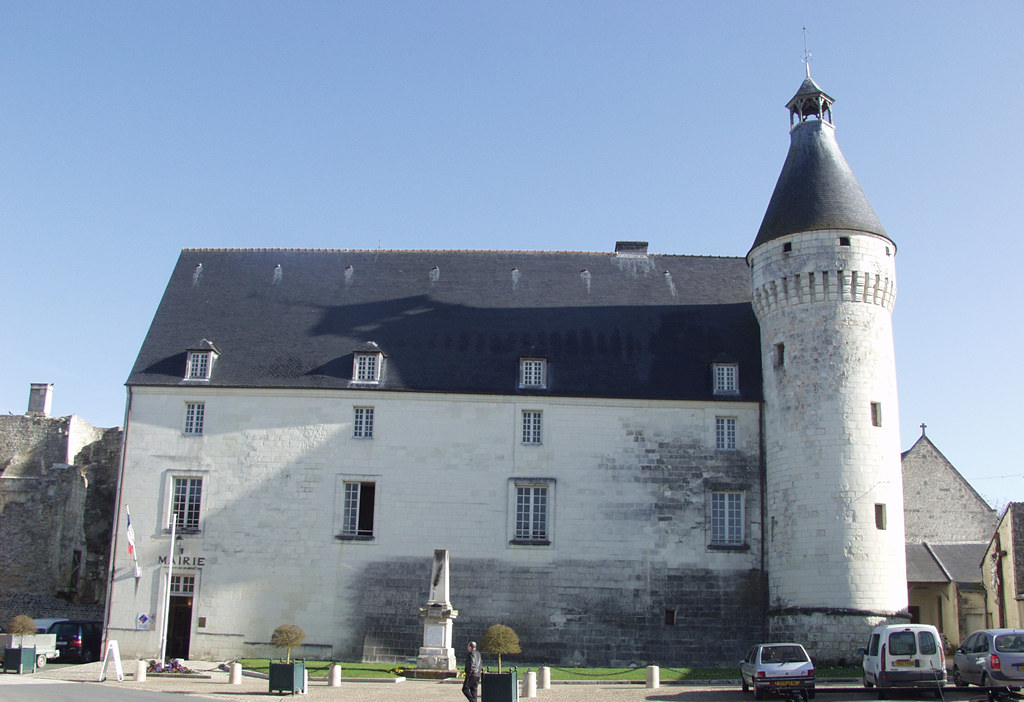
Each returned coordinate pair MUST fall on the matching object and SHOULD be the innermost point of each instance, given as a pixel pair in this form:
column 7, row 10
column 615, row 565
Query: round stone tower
column 823, row 285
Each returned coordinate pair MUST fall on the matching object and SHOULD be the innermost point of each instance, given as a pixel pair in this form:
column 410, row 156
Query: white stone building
column 622, row 464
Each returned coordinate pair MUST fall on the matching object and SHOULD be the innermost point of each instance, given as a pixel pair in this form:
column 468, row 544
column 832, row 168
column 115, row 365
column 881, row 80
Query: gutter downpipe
column 766, row 605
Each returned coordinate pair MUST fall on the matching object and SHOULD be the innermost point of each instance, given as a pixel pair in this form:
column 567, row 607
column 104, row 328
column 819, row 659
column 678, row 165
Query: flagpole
column 167, row 600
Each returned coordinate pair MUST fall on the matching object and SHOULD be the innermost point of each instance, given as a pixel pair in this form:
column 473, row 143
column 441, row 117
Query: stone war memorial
column 436, row 658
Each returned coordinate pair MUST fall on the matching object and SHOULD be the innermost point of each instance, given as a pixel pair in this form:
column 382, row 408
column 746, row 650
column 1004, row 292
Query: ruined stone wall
column 56, row 500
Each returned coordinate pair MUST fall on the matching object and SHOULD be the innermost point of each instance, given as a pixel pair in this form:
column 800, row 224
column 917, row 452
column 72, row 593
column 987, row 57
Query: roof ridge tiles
column 427, row 251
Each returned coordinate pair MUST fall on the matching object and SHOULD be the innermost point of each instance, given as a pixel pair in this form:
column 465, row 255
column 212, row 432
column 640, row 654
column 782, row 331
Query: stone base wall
column 830, row 638
column 571, row 613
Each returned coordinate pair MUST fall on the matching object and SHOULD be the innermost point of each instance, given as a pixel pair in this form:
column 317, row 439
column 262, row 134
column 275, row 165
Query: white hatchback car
column 778, row 668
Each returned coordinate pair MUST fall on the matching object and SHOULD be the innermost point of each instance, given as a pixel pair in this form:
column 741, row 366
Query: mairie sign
column 191, row 561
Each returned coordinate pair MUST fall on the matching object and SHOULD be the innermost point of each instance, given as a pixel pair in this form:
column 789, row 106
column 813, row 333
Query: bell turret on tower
column 823, row 287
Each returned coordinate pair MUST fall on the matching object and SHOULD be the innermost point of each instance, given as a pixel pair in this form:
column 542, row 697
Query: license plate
column 903, row 664
column 1020, row 668
column 788, row 682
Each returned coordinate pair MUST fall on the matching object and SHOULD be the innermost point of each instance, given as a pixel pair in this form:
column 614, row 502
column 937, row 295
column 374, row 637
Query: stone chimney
column 630, row 248
column 39, row 398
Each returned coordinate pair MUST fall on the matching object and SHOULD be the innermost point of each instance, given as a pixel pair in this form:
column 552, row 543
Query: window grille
column 194, row 415
column 531, row 513
column 531, row 427
column 726, row 518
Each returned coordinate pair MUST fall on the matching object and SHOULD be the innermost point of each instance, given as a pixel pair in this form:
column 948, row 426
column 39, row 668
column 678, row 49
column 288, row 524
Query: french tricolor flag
column 131, row 542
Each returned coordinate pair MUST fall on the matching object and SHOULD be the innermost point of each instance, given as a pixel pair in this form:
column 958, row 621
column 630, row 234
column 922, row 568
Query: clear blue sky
column 131, row 130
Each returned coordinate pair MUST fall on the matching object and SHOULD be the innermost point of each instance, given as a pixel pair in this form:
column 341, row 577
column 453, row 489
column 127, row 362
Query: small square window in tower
column 880, row 522
column 533, row 372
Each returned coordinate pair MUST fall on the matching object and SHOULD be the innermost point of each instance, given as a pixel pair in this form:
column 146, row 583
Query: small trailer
column 45, row 645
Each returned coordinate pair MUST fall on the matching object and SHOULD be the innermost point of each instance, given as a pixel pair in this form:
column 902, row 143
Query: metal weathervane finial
column 807, row 55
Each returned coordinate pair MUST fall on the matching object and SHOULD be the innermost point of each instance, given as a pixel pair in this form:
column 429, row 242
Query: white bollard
column 653, row 677
column 545, row 678
column 235, row 674
column 140, row 671
column 305, row 680
column 531, row 684
column 335, row 675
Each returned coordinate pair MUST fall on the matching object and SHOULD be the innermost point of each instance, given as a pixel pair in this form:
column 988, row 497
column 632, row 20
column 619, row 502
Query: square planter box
column 287, row 677
column 500, row 687
column 20, row 660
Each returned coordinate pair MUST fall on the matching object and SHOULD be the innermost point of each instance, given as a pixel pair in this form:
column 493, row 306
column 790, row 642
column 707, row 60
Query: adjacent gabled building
column 1003, row 570
column 948, row 525
column 630, row 456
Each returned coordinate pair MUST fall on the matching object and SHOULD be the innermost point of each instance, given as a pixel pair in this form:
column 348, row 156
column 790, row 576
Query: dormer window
column 533, row 372
column 199, row 362
column 726, row 378
column 367, row 367
column 199, row 365
column 367, row 363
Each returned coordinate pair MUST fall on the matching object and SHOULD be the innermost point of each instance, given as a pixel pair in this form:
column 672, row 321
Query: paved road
column 80, row 684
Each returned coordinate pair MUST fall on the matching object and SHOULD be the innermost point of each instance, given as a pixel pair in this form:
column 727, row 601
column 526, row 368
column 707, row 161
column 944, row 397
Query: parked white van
column 904, row 655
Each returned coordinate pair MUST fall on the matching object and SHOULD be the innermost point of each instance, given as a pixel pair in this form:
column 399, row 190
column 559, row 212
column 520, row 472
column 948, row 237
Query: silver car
column 991, row 658
column 778, row 668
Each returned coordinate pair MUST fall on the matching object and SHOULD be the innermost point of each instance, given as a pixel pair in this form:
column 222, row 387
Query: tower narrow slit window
column 876, row 414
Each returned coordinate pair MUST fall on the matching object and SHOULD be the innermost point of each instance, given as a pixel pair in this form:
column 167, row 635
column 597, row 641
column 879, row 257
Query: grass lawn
column 319, row 669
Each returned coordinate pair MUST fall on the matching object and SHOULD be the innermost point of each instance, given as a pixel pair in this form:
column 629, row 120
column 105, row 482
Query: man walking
column 473, row 667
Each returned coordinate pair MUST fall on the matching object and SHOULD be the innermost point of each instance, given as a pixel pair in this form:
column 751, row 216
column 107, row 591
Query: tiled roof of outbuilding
column 624, row 326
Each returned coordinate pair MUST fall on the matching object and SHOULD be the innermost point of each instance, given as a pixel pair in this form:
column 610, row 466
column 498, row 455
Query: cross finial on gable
column 923, row 427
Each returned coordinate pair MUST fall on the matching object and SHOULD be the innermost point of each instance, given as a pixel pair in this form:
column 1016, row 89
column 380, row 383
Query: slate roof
column 816, row 188
column 616, row 326
column 962, row 561
column 944, row 563
column 922, row 567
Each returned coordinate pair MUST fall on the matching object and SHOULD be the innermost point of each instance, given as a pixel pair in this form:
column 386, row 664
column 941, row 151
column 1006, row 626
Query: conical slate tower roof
column 816, row 189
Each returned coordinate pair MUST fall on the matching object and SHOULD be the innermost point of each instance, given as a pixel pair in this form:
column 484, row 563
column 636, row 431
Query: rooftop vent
column 630, row 248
